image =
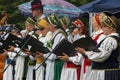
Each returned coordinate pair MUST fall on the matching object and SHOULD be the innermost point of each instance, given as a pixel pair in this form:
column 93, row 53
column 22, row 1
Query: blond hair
column 109, row 21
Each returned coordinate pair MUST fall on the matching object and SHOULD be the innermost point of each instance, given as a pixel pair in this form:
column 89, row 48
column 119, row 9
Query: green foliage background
column 11, row 7
column 14, row 16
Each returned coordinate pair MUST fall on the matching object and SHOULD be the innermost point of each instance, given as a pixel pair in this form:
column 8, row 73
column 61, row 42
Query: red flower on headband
column 80, row 24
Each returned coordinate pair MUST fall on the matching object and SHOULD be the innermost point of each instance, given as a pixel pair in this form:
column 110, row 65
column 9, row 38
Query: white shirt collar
column 97, row 32
column 113, row 34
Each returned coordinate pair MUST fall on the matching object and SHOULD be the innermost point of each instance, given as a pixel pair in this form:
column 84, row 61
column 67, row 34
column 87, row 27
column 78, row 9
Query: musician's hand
column 23, row 34
column 11, row 48
column 80, row 50
column 39, row 55
column 65, row 57
column 26, row 51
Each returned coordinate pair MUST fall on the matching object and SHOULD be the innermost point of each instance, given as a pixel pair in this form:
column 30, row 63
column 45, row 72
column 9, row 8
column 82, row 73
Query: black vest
column 111, row 62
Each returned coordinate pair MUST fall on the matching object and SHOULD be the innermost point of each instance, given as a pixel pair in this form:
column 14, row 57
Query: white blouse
column 106, row 48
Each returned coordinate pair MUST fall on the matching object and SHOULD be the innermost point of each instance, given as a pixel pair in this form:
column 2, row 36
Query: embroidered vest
column 111, row 62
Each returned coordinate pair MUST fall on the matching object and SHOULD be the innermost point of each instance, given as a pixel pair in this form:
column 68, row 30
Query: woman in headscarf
column 97, row 35
column 43, row 28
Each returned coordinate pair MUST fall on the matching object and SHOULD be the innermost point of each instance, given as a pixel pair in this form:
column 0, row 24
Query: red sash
column 87, row 62
column 78, row 67
column 72, row 65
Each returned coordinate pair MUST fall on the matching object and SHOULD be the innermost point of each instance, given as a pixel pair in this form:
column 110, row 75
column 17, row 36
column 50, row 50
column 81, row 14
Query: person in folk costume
column 105, row 65
column 66, row 24
column 8, row 75
column 37, row 10
column 54, row 65
column 43, row 26
column 47, row 36
column 97, row 36
column 79, row 31
column 46, row 39
column 29, row 27
column 30, row 60
column 71, row 69
column 20, row 58
column 98, row 33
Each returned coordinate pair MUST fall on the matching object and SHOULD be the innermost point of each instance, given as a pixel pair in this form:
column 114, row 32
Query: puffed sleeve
column 106, row 48
column 77, row 59
column 11, row 55
column 20, row 52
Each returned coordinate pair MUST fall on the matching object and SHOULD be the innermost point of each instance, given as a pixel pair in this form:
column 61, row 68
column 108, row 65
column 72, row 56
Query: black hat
column 36, row 4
